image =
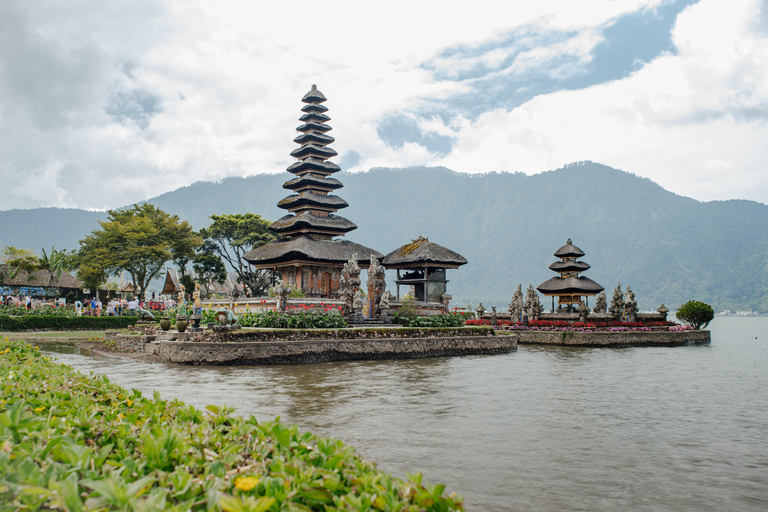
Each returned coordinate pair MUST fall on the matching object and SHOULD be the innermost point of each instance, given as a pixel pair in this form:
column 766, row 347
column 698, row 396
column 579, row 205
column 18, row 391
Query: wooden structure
column 306, row 254
column 424, row 263
column 569, row 287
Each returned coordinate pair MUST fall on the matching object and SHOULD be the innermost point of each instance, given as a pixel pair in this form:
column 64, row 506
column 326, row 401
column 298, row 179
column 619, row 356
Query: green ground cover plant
column 73, row 442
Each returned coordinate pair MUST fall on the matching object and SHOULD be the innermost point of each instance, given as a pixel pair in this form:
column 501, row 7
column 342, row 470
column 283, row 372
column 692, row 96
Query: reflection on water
column 541, row 429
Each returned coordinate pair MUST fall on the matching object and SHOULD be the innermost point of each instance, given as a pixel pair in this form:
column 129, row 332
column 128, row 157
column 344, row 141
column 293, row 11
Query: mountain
column 668, row 248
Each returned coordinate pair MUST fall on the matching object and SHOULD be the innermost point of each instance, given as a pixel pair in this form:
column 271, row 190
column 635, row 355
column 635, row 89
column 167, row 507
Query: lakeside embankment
column 74, row 442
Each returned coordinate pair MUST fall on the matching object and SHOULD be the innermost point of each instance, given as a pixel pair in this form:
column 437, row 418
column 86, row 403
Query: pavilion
column 425, row 263
column 569, row 287
column 306, row 255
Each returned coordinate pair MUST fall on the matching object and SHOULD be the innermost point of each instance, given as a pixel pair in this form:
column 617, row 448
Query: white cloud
column 227, row 77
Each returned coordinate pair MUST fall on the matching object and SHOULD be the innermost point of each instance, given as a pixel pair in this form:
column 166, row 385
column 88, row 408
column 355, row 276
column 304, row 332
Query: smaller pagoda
column 424, row 263
column 569, row 286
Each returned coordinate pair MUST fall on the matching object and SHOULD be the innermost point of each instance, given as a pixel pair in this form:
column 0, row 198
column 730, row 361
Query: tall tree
column 209, row 268
column 231, row 237
column 53, row 263
column 138, row 240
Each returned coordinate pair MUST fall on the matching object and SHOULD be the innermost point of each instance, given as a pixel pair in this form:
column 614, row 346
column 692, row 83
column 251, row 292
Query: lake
column 543, row 429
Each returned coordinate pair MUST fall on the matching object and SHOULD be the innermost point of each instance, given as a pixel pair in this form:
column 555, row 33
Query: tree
column 16, row 260
column 53, row 263
column 138, row 240
column 209, row 268
column 233, row 235
column 696, row 314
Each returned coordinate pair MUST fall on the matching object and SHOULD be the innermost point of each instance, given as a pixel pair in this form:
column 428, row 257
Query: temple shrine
column 569, row 287
column 306, row 255
column 424, row 264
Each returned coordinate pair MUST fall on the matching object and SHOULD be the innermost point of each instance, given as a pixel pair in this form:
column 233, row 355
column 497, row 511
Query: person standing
column 98, row 307
column 79, row 308
column 111, row 308
column 28, row 303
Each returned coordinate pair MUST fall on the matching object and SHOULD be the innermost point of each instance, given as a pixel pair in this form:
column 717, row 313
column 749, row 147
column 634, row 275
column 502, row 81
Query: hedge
column 64, row 323
column 72, row 442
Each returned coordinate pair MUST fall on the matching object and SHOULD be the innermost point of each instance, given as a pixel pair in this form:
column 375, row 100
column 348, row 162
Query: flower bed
column 72, row 442
column 46, row 310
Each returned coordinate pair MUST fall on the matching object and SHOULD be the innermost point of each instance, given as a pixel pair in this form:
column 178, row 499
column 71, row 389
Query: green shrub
column 72, row 442
column 449, row 320
column 64, row 323
column 696, row 314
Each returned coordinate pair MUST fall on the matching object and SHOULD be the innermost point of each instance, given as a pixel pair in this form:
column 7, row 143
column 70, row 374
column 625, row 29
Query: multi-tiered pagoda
column 569, row 287
column 306, row 253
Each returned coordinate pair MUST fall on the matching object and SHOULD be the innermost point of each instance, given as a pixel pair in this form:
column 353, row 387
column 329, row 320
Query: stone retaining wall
column 130, row 342
column 613, row 339
column 298, row 352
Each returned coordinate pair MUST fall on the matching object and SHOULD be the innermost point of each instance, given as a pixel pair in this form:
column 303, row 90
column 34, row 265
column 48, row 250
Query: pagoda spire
column 312, row 209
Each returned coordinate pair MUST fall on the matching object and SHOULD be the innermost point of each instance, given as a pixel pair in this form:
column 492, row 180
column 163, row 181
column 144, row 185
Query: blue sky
column 104, row 104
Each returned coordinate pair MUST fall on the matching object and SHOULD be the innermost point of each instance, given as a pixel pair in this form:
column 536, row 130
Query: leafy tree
column 209, row 268
column 233, row 235
column 16, row 260
column 53, row 263
column 696, row 314
column 138, row 240
column 188, row 283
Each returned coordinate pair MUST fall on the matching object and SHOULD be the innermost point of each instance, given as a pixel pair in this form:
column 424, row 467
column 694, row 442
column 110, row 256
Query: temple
column 424, row 263
column 306, row 255
column 569, row 287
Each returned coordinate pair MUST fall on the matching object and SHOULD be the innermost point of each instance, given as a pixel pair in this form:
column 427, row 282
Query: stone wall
column 298, row 352
column 613, row 339
column 130, row 342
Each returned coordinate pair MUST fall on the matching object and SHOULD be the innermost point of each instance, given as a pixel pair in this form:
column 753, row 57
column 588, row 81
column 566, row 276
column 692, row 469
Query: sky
column 103, row 104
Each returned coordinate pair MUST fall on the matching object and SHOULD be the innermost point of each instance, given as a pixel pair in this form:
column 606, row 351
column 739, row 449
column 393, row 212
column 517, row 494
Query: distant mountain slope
column 666, row 247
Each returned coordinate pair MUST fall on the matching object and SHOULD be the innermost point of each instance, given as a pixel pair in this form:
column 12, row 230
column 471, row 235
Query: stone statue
column 197, row 303
column 376, row 284
column 181, row 307
column 226, row 317
column 445, row 299
column 532, row 304
column 494, row 320
column 516, row 306
column 583, row 312
column 281, row 296
column 349, row 283
column 663, row 311
column 600, row 304
column 480, row 310
column 357, row 302
column 617, row 303
column 630, row 306
column 145, row 314
column 386, row 298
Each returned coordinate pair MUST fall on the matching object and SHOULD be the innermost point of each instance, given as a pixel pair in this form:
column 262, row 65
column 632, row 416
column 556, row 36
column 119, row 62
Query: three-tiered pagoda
column 569, row 287
column 306, row 253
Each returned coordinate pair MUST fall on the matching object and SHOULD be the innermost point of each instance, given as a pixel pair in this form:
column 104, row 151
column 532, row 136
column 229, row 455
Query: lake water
column 544, row 429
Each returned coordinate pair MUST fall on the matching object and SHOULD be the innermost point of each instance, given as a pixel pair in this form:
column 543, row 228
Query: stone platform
column 613, row 339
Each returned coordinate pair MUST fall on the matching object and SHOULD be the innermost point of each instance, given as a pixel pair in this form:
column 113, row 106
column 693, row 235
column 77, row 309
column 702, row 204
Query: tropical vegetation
column 696, row 314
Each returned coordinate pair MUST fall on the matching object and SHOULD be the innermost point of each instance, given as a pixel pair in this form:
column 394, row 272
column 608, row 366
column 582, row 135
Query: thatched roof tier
column 313, row 150
column 315, row 117
column 420, row 253
column 313, row 165
column 311, row 181
column 569, row 266
column 313, row 126
column 569, row 251
column 313, row 96
column 314, row 138
column 570, row 286
column 40, row 278
column 310, row 199
column 307, row 222
column 314, row 107
column 307, row 250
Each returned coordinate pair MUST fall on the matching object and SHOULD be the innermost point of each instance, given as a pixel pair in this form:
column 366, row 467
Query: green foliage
column 232, row 236
column 137, row 240
column 299, row 318
column 448, row 320
column 696, row 314
column 188, row 283
column 407, row 309
column 63, row 323
column 209, row 268
column 72, row 442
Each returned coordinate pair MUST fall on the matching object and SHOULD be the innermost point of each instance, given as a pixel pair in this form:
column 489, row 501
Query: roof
column 314, row 138
column 313, row 126
column 314, row 116
column 569, row 266
column 569, row 251
column 307, row 220
column 127, row 288
column 41, row 278
column 569, row 286
column 305, row 248
column 314, row 107
column 313, row 164
column 313, row 150
column 171, row 284
column 313, row 96
column 313, row 181
column 421, row 252
column 309, row 198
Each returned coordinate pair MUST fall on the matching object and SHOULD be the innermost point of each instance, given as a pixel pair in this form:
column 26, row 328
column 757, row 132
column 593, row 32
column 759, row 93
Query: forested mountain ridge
column 668, row 248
